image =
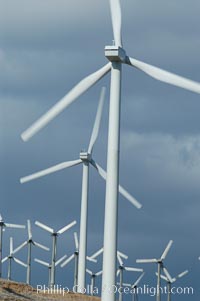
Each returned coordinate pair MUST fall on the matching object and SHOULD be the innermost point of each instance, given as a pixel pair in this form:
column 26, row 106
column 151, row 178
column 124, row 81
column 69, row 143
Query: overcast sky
column 46, row 47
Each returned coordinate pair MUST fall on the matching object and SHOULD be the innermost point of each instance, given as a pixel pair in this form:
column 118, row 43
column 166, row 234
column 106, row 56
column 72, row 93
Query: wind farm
column 141, row 128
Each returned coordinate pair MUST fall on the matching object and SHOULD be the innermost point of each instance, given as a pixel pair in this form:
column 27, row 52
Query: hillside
column 14, row 291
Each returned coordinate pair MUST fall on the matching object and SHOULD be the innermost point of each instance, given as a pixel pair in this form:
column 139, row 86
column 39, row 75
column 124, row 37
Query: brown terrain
column 14, row 291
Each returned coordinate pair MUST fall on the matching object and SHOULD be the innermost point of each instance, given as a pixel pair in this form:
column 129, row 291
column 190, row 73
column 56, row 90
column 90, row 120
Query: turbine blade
column 4, row 259
column 167, row 275
column 165, row 76
column 167, row 249
column 42, row 262
column 62, row 230
column 41, row 246
column 75, row 92
column 138, row 280
column 44, row 227
column 119, row 260
column 146, row 260
column 182, row 274
column 96, row 254
column 97, row 122
column 67, row 261
column 99, row 273
column 49, row 170
column 20, row 247
column 29, row 229
column 115, row 9
column 123, row 192
column 91, row 259
column 130, row 269
column 76, row 241
column 124, row 284
column 15, row 226
column 122, row 255
column 60, row 260
column 163, row 277
column 89, row 272
column 20, row 262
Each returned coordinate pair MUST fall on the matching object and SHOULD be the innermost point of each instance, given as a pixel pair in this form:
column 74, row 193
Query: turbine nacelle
column 85, row 156
column 115, row 54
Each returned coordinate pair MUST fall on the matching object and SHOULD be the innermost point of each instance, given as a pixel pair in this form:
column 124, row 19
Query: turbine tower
column 75, row 256
column 29, row 244
column 116, row 56
column 54, row 235
column 171, row 280
column 4, row 225
column 11, row 258
column 48, row 265
column 86, row 159
column 160, row 265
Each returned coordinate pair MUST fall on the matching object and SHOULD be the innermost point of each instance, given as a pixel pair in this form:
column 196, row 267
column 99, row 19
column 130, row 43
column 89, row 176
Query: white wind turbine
column 86, row 159
column 120, row 272
column 75, row 256
column 11, row 258
column 134, row 286
column 160, row 265
column 48, row 265
column 4, row 225
column 93, row 278
column 171, row 280
column 54, row 235
column 29, row 244
column 116, row 56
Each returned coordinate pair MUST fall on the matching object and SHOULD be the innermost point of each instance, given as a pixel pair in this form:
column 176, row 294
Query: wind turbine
column 86, row 159
column 93, row 278
column 120, row 272
column 11, row 257
column 170, row 280
column 160, row 265
column 48, row 265
column 134, row 286
column 4, row 225
column 75, row 256
column 116, row 56
column 54, row 235
column 29, row 244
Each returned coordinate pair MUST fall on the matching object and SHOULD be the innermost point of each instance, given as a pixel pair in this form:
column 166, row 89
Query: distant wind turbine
column 4, row 225
column 134, row 286
column 93, row 278
column 86, row 159
column 160, row 265
column 11, row 258
column 171, row 280
column 120, row 272
column 48, row 265
column 29, row 244
column 54, row 235
column 75, row 256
